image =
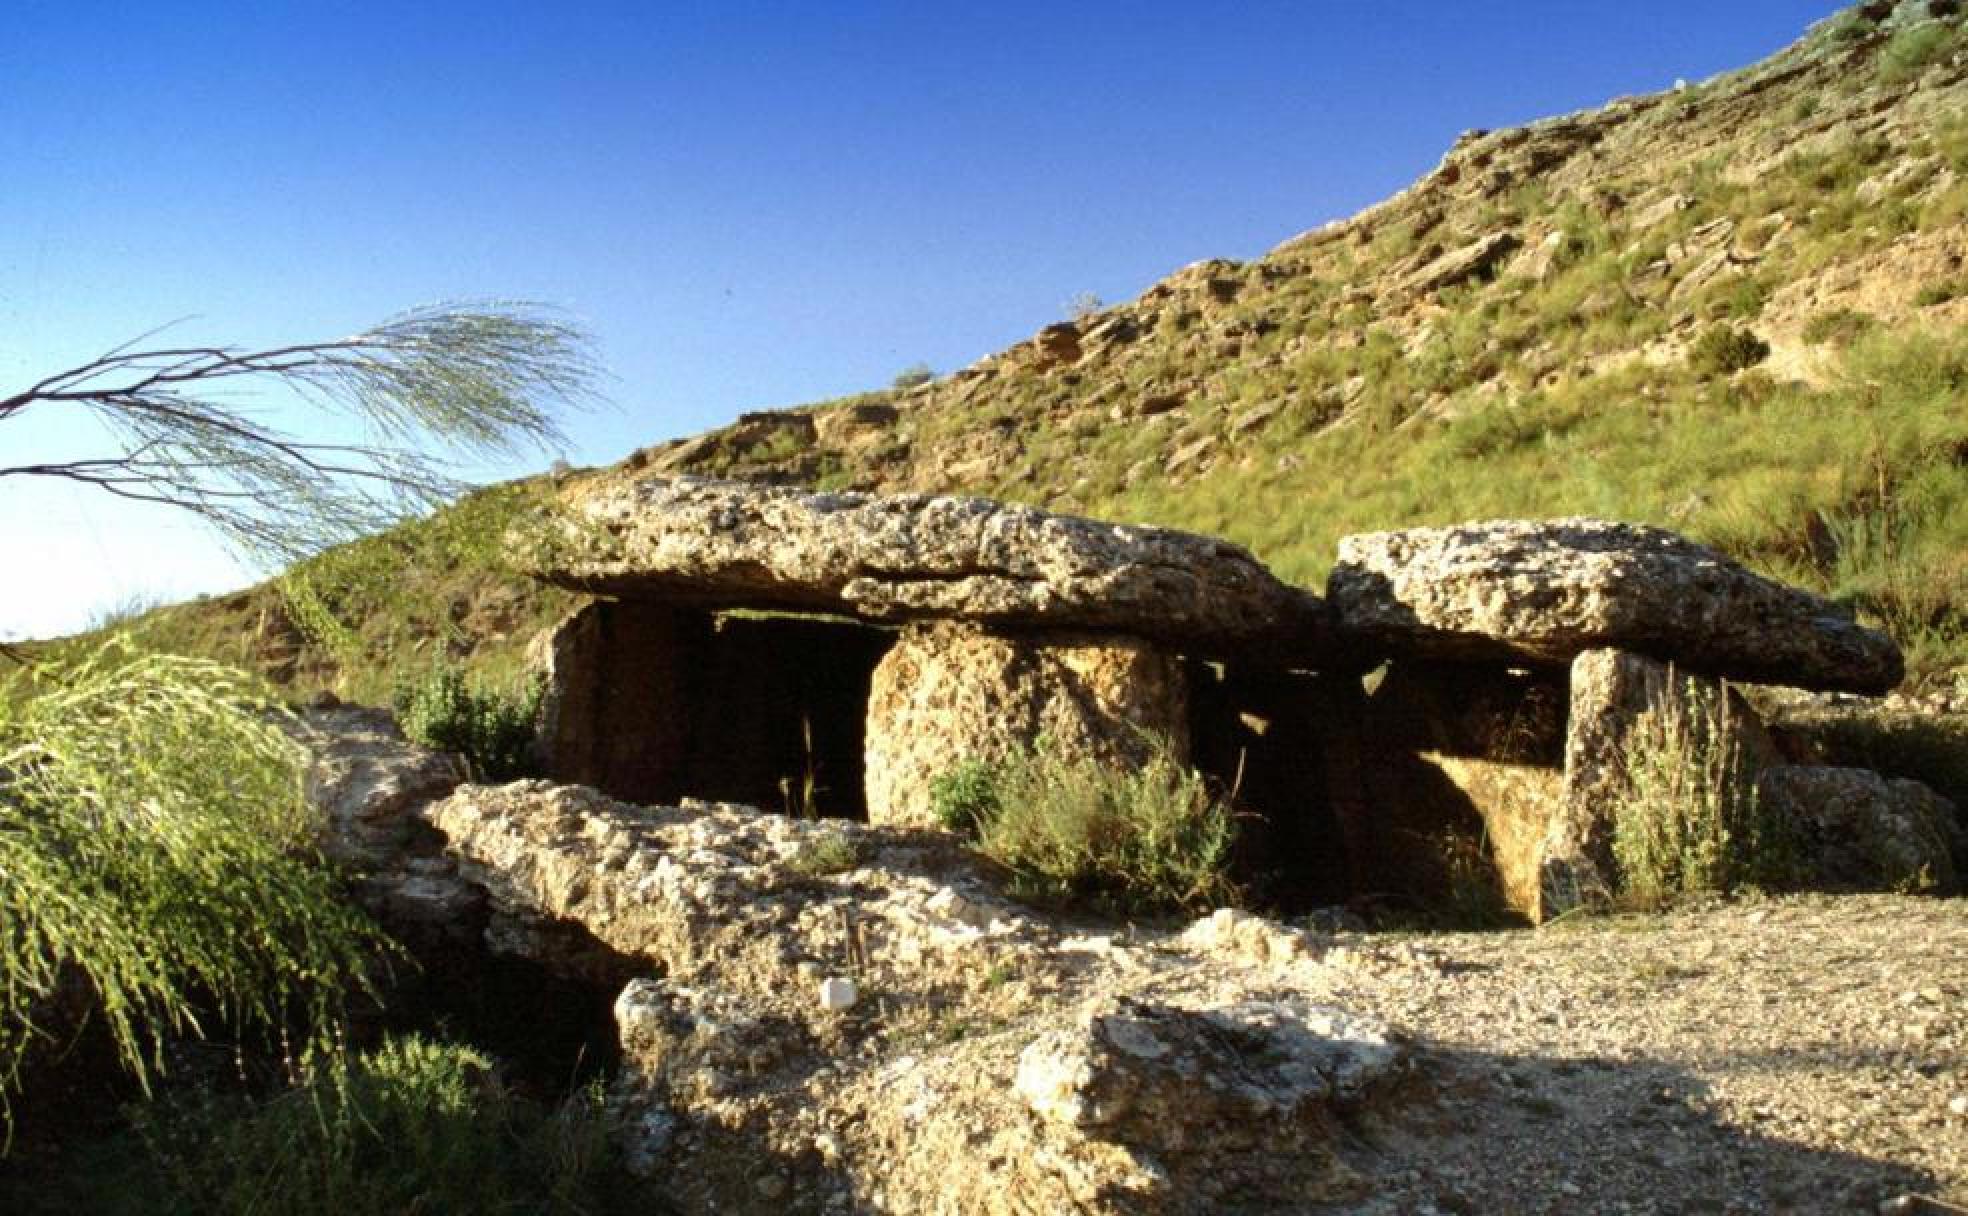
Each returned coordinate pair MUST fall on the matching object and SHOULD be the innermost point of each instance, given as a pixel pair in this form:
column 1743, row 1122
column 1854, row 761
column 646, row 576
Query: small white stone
column 838, row 992
column 1958, row 1105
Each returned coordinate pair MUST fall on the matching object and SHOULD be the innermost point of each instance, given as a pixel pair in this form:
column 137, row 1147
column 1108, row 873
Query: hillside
column 1735, row 309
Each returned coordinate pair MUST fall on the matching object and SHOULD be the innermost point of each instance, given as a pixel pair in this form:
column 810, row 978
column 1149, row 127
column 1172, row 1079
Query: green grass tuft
column 1151, row 839
column 414, row 1126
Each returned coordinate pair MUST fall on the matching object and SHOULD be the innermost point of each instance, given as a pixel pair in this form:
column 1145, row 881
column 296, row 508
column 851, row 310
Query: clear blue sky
column 750, row 204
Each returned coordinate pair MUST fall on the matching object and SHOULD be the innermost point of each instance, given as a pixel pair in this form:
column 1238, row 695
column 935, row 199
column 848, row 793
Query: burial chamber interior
column 652, row 703
column 1340, row 788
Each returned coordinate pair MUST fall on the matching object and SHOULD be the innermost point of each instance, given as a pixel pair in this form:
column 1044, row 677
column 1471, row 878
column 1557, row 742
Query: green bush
column 1147, row 839
column 154, row 838
column 1689, row 818
column 414, row 1126
column 492, row 727
column 913, row 376
column 1937, row 293
column 830, row 851
column 1851, row 26
column 1724, row 349
column 1914, row 49
column 965, row 797
column 1839, row 327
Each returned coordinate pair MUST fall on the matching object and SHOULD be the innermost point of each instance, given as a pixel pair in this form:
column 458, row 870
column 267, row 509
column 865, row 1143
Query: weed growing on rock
column 827, row 852
column 491, row 726
column 966, row 796
column 1840, row 327
column 1939, row 293
column 1148, row 839
column 1690, row 819
column 1914, row 49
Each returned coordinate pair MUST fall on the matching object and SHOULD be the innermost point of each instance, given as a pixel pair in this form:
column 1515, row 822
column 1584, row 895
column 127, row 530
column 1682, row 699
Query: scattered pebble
column 838, row 992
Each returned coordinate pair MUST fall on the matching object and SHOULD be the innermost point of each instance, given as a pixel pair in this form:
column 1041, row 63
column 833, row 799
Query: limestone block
column 946, row 693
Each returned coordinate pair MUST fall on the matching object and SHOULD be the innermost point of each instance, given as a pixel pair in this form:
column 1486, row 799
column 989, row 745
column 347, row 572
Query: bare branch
column 449, row 380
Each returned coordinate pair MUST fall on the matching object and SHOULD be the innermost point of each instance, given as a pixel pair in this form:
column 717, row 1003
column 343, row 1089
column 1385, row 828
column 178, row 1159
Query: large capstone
column 1544, row 591
column 947, row 694
column 912, row 557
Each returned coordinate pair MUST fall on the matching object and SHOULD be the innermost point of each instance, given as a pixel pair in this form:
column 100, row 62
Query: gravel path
column 1804, row 1054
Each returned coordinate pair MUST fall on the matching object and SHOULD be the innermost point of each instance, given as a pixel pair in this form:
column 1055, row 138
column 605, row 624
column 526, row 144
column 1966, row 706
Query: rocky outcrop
column 1543, row 592
column 724, row 544
column 946, row 694
column 1861, row 830
column 837, row 1017
column 1174, row 1079
column 369, row 784
column 1479, row 258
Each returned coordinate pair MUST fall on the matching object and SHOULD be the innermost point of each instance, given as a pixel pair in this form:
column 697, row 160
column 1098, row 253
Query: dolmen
column 1470, row 687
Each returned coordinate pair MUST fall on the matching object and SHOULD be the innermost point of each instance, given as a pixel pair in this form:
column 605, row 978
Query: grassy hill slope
column 1738, row 309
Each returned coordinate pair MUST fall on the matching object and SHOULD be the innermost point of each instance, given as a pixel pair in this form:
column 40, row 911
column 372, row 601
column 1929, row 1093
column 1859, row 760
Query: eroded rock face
column 750, row 1092
column 946, row 694
column 1477, row 259
column 910, row 557
column 1860, row 829
column 1543, row 592
column 1168, row 1078
column 369, row 784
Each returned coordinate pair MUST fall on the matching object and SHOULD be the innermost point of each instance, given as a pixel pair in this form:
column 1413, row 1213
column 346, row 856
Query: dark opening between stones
column 1460, row 770
column 652, row 704
column 1268, row 736
column 1430, row 791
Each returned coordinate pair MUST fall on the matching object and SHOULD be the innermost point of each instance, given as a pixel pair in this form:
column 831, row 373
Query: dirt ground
column 1802, row 1054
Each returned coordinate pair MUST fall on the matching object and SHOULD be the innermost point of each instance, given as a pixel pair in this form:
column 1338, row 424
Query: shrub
column 1083, row 304
column 963, row 798
column 1724, row 349
column 1839, row 327
column 831, row 851
column 492, row 727
column 1913, row 50
column 1936, row 293
column 913, row 376
column 1145, row 839
column 414, row 1126
column 1851, row 26
column 154, row 838
column 1689, row 818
